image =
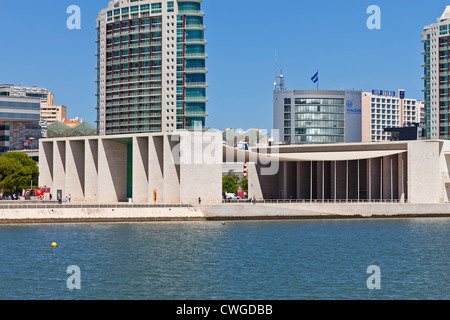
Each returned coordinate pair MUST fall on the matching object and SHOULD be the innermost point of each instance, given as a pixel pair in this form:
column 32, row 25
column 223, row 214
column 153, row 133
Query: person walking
column 70, row 197
column 199, row 201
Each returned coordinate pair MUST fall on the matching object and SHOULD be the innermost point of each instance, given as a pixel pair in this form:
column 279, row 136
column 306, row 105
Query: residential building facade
column 52, row 113
column 151, row 67
column 436, row 41
column 383, row 109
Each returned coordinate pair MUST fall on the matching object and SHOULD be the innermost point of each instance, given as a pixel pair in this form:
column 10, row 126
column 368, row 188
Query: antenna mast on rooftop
column 279, row 78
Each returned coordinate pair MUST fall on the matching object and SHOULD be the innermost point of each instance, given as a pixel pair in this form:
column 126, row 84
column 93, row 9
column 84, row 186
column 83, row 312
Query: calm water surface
column 239, row 260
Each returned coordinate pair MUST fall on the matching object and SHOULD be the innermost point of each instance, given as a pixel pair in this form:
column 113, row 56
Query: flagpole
column 317, row 79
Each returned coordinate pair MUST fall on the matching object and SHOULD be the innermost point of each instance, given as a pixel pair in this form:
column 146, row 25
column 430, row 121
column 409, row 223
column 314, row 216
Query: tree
column 17, row 171
column 230, row 182
column 244, row 184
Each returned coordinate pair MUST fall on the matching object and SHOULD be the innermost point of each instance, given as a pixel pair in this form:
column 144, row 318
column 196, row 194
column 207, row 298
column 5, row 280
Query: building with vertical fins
column 436, row 41
column 151, row 69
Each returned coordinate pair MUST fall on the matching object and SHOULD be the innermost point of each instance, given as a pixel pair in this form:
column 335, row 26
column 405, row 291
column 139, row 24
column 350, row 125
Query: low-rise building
column 52, row 113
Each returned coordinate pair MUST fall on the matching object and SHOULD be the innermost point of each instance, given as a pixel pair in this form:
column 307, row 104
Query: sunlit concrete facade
column 414, row 172
column 174, row 168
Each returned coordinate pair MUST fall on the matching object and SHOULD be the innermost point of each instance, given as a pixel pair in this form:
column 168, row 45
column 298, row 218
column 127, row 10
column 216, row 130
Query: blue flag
column 315, row 78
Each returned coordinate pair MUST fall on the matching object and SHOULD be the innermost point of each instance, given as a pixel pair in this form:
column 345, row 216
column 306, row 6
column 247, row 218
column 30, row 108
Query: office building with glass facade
column 317, row 116
column 19, row 123
column 151, row 67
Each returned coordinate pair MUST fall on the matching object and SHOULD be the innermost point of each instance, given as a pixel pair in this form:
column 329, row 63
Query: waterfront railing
column 89, row 206
column 305, row 201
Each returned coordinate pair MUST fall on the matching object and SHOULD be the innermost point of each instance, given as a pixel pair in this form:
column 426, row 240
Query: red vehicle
column 36, row 193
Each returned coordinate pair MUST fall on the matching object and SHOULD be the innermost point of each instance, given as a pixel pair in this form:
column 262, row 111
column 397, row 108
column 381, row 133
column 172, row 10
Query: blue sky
column 328, row 35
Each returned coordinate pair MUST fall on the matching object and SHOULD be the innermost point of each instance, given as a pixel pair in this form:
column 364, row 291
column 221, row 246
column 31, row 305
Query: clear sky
column 37, row 49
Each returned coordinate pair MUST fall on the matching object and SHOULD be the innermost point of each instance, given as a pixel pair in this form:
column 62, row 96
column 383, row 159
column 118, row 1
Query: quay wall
column 108, row 214
column 324, row 210
column 123, row 213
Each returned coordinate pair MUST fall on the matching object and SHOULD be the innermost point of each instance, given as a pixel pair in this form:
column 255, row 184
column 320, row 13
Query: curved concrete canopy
column 236, row 155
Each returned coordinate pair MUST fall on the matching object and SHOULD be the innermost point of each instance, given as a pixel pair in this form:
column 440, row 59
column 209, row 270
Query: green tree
column 17, row 171
column 244, row 184
column 230, row 183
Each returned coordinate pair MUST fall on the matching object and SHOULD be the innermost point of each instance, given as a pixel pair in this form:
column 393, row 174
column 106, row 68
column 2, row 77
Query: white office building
column 317, row 116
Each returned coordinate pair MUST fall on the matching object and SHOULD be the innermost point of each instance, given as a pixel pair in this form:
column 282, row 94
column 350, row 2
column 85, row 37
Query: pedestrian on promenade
column 199, row 201
column 70, row 197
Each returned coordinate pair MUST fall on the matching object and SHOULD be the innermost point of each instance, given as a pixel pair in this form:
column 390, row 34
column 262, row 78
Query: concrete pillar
column 424, row 179
column 59, row 168
column 155, row 168
column 140, row 170
column 401, row 177
column 46, row 164
column 75, row 169
column 91, row 170
column 201, row 168
column 254, row 184
column 261, row 184
column 171, row 183
column 112, row 171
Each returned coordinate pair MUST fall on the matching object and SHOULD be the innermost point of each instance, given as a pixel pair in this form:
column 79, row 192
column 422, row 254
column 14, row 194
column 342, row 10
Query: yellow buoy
column 54, row 244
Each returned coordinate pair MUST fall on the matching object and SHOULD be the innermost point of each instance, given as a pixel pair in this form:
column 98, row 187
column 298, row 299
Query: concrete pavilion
column 182, row 166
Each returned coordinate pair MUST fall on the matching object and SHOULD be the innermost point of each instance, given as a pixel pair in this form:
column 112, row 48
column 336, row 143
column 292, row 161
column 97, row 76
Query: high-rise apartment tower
column 151, row 72
column 436, row 40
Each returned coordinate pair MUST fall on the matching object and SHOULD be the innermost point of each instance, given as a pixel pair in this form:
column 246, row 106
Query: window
column 156, row 8
column 170, row 6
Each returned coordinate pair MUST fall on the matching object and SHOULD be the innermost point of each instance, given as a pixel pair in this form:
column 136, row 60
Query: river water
column 267, row 260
